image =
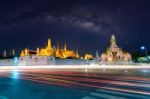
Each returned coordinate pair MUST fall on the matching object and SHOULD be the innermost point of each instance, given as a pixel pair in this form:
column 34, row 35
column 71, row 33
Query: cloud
column 84, row 18
column 87, row 25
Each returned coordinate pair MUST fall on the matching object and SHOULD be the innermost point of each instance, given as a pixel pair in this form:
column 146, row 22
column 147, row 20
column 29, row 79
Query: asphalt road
column 98, row 84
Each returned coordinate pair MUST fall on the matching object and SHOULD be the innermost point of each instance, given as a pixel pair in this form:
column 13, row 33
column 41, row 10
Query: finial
column 113, row 39
column 49, row 43
column 65, row 46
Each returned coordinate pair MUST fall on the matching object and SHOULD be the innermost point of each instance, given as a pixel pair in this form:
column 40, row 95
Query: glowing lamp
column 142, row 47
column 145, row 49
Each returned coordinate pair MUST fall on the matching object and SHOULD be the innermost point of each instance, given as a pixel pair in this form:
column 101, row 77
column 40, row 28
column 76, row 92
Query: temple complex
column 114, row 53
column 49, row 51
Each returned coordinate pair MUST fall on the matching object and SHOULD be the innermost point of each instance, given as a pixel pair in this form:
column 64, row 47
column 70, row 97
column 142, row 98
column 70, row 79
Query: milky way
column 85, row 25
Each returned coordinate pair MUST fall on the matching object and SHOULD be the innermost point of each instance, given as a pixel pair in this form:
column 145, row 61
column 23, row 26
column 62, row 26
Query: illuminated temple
column 49, row 51
column 65, row 53
column 114, row 53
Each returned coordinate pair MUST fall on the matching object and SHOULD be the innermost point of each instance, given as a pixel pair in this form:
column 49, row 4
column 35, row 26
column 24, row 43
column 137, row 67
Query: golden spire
column 49, row 43
column 113, row 39
column 77, row 54
column 22, row 53
column 26, row 52
column 65, row 47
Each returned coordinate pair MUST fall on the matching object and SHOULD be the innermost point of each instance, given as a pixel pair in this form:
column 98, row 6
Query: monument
column 114, row 53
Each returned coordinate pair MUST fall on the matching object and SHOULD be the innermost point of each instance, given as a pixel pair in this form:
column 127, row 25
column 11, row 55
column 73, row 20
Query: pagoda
column 65, row 53
column 114, row 53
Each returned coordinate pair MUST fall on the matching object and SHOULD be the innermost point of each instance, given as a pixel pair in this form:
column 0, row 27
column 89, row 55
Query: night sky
column 85, row 25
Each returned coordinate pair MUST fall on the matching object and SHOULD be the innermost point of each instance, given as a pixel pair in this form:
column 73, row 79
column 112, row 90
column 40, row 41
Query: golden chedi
column 88, row 57
column 77, row 55
column 114, row 53
column 48, row 51
column 25, row 52
column 65, row 53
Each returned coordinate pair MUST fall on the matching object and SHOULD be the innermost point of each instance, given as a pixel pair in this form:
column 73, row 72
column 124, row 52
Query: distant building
column 114, row 53
column 4, row 54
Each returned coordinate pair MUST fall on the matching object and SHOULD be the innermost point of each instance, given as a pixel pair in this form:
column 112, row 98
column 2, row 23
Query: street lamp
column 143, row 48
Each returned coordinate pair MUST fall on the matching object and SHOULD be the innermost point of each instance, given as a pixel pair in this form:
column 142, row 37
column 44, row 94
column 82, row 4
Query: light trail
column 63, row 67
column 80, row 74
column 81, row 80
column 118, row 78
column 71, row 79
column 77, row 83
column 36, row 80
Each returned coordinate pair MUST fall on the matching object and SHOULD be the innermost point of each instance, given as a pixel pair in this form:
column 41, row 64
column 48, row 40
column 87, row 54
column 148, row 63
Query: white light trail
column 63, row 67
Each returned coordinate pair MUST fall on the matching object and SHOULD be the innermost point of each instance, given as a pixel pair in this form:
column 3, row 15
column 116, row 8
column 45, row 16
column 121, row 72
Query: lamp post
column 143, row 48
